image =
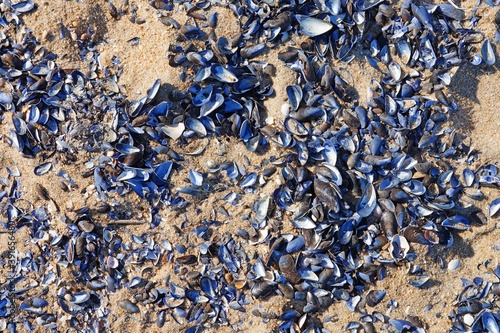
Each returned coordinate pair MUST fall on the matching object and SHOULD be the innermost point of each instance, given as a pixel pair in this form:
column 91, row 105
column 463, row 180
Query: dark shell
column 264, row 288
column 328, row 194
column 287, row 267
column 374, row 297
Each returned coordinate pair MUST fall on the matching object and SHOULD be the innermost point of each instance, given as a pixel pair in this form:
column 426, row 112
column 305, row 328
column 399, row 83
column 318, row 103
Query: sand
column 474, row 89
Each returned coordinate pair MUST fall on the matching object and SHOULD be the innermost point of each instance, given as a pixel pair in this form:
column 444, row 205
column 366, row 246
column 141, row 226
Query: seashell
column 160, row 321
column 388, row 182
column 264, row 288
column 196, row 58
column 489, row 322
column 174, row 131
column 212, row 20
column 399, row 196
column 308, row 274
column 295, row 96
column 398, row 247
column 346, row 231
column 287, row 267
column 404, row 50
column 86, row 225
column 250, row 52
column 328, row 194
column 295, row 245
column 43, row 168
column 414, row 187
column 177, row 291
column 494, row 207
column 211, row 105
column 395, row 72
column 415, row 235
column 282, row 21
column 352, row 303
column 203, row 96
column 366, row 4
column 454, row 264
column 495, row 288
column 479, row 217
column 95, row 284
column 457, row 222
column 469, row 177
column 128, row 306
column 487, row 53
column 311, row 26
column 23, row 6
column 304, row 222
column 191, row 32
column 374, row 297
column 195, row 177
column 153, row 91
column 80, row 297
column 209, row 287
column 295, row 127
column 419, row 280
column 38, row 302
column 223, row 74
column 245, row 132
column 388, row 224
column 368, row 201
column 186, row 260
column 249, row 180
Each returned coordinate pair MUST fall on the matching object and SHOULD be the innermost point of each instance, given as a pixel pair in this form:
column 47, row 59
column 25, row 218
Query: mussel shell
column 128, row 306
column 287, row 268
column 264, row 288
column 494, row 207
column 253, row 51
column 311, row 26
column 295, row 127
column 368, row 201
column 374, row 297
column 203, row 96
column 388, row 224
column 415, row 235
column 23, row 6
column 223, row 74
column 86, row 226
column 366, row 4
column 328, row 194
column 294, row 96
column 196, row 126
column 43, row 168
column 489, row 322
column 39, row 302
column 487, row 53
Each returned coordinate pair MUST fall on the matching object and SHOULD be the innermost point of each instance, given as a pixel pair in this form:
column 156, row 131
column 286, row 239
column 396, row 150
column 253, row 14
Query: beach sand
column 474, row 89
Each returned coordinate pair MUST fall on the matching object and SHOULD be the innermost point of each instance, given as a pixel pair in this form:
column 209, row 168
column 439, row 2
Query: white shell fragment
column 195, row 177
column 454, row 264
column 313, row 27
column 174, row 131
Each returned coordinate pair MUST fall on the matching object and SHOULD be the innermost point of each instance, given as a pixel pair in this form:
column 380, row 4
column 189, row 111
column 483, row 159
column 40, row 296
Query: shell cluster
column 359, row 181
column 477, row 304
